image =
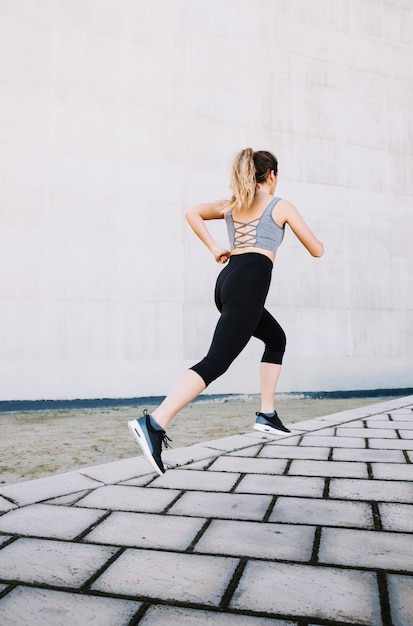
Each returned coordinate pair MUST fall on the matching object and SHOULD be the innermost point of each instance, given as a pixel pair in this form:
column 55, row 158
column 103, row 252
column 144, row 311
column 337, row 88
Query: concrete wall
column 116, row 115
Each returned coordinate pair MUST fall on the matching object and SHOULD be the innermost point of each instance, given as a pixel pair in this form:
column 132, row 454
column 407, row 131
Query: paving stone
column 145, row 530
column 375, row 490
column 333, row 442
column 46, row 520
column 340, row 418
column 228, row 444
column 25, row 606
column 406, row 434
column 354, row 424
column 410, row 455
column 196, row 465
column 323, row 512
column 2, row 588
column 168, row 576
column 325, row 593
column 121, row 498
column 282, row 485
column 397, row 517
column 196, row 480
column 170, row 616
column 258, row 540
column 392, row 444
column 312, row 425
column 294, row 452
column 392, row 471
column 347, row 454
column 248, row 466
column 4, row 539
column 328, row 468
column 363, row 548
column 404, row 411
column 367, row 432
column 221, row 505
column 56, row 563
column 31, row 491
column 401, row 599
column 391, row 424
column 68, row 500
column 287, row 441
column 6, row 505
column 188, row 455
column 251, row 451
column 111, row 473
column 139, row 481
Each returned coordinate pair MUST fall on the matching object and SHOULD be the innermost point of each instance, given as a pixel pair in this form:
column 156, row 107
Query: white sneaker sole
column 267, row 429
column 139, row 436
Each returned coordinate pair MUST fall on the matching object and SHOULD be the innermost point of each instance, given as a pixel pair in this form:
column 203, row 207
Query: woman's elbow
column 318, row 250
column 189, row 214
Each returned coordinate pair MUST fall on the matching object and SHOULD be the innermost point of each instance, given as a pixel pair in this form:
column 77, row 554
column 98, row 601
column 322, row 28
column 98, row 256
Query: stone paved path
column 312, row 528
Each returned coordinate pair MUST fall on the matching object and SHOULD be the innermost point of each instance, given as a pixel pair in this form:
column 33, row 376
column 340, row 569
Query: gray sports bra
column 262, row 232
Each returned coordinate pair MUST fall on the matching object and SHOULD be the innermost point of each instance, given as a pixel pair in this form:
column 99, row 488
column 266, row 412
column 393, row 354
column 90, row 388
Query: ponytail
column 249, row 169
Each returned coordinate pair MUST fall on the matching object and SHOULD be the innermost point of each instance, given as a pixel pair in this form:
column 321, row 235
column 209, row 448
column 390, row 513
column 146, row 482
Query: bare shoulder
column 284, row 211
column 289, row 214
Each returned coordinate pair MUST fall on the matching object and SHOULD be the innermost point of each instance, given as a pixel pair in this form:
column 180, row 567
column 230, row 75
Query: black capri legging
column 240, row 294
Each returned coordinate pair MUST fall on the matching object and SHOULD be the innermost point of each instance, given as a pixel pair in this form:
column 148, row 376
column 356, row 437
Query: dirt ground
column 39, row 443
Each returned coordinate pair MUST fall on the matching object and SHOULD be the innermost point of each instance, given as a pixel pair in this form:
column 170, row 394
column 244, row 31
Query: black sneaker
column 150, row 440
column 271, row 424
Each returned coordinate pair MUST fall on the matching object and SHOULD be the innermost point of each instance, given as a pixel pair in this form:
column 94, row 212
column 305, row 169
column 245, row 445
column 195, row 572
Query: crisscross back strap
column 245, row 233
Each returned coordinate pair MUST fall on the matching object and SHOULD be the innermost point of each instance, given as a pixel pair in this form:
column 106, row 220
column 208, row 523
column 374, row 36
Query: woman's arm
column 287, row 213
column 196, row 217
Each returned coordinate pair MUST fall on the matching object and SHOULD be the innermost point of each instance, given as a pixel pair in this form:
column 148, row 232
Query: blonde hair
column 248, row 171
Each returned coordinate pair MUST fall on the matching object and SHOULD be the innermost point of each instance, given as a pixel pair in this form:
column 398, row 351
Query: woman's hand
column 221, row 255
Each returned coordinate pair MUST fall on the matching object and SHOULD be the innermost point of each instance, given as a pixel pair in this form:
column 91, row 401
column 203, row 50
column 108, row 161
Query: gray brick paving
column 111, row 473
column 124, row 498
column 397, row 517
column 248, row 466
column 367, row 432
column 46, row 520
column 213, row 481
column 347, row 454
column 57, row 608
column 258, row 529
column 378, row 490
column 405, row 434
column 391, row 424
column 55, row 563
column 328, row 468
column 401, row 599
column 333, row 442
column 361, row 548
column 143, row 530
column 254, row 539
column 392, row 471
column 4, row 538
column 170, row 616
column 391, row 444
column 279, row 485
column 294, row 452
column 222, row 505
column 6, row 505
column 325, row 593
column 168, row 576
column 321, row 512
column 287, row 441
column 31, row 491
column 251, row 451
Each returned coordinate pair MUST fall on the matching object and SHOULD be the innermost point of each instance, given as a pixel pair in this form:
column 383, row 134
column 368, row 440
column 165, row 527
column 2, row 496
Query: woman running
column 256, row 222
